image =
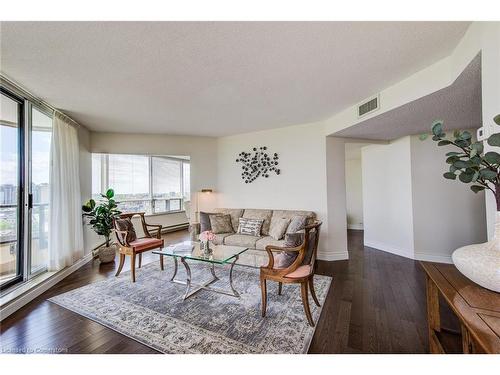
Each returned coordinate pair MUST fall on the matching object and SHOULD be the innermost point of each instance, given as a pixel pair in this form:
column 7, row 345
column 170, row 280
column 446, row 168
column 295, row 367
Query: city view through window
column 153, row 184
column 41, row 135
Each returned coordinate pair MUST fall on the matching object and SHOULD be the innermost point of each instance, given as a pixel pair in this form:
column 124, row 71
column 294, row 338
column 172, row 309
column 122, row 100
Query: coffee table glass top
column 220, row 254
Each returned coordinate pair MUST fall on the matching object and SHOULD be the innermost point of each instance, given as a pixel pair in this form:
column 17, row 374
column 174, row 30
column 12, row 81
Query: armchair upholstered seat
column 132, row 246
column 142, row 244
column 301, row 271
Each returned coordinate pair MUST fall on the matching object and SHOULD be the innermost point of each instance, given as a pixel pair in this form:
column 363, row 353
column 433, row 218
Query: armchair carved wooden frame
column 151, row 240
column 299, row 272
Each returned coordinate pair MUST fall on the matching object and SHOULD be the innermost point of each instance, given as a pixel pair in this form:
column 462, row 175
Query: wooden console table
column 477, row 309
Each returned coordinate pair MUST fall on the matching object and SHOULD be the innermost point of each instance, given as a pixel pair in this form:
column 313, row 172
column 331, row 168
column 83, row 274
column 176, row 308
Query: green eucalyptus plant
column 470, row 164
column 101, row 215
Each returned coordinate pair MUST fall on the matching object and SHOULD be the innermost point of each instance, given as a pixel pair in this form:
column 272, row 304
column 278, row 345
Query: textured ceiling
column 458, row 105
column 215, row 78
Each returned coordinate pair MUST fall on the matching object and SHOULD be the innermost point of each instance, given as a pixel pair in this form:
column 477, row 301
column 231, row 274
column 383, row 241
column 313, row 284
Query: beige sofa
column 253, row 242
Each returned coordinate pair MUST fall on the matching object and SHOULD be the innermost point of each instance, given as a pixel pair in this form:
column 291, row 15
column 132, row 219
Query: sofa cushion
column 219, row 238
column 268, row 240
column 278, row 227
column 260, row 214
column 296, row 224
column 250, row 227
column 205, row 221
column 289, row 214
column 241, row 240
column 253, row 258
column 221, row 223
column 235, row 214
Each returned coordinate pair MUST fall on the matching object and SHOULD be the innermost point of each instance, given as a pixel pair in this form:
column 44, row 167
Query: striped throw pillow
column 250, row 227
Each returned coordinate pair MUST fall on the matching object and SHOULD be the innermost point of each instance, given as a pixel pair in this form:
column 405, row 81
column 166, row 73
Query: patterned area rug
column 152, row 311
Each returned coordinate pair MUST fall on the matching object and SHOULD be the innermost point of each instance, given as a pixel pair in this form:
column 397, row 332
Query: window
column 41, row 137
column 128, row 175
column 153, row 184
column 25, row 142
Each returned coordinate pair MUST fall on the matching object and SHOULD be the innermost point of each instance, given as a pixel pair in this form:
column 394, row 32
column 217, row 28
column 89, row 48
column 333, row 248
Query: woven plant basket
column 107, row 254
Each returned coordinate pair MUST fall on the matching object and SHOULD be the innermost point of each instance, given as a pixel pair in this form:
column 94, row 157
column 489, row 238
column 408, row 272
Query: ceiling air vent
column 368, row 106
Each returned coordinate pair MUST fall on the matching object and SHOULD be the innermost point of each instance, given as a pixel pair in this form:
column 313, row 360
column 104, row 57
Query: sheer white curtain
column 66, row 233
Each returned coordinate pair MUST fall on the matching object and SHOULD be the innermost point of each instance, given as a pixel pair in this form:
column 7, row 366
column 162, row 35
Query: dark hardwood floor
column 376, row 304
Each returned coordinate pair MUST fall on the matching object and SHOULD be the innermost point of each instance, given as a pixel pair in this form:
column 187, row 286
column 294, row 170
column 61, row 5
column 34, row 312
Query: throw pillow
column 297, row 223
column 284, row 259
column 278, row 227
column 221, row 223
column 250, row 227
column 126, row 224
column 205, row 221
column 294, row 239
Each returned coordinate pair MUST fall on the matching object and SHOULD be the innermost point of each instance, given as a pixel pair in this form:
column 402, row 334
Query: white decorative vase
column 481, row 262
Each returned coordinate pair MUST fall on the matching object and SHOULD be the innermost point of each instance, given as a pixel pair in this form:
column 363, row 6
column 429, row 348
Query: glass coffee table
column 190, row 251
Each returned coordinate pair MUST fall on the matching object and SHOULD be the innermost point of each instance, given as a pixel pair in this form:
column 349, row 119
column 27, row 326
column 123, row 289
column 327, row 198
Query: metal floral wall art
column 260, row 163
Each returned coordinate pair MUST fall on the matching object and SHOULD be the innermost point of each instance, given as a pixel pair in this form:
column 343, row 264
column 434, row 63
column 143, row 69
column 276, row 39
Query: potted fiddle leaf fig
column 471, row 165
column 101, row 220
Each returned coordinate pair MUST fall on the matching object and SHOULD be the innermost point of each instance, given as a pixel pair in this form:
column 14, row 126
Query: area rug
column 152, row 311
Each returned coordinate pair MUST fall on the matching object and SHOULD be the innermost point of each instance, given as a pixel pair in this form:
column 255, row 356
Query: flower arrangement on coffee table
column 205, row 238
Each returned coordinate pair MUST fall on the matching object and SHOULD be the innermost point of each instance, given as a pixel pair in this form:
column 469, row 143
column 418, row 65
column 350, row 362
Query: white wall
column 336, row 199
column 301, row 184
column 354, row 193
column 446, row 213
column 410, row 209
column 387, row 197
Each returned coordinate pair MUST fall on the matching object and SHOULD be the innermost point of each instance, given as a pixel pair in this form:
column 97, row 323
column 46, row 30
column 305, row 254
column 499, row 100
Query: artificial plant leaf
column 473, row 152
column 475, row 160
column 477, row 188
column 460, row 164
column 110, row 193
column 465, row 177
column 492, row 157
column 466, row 135
column 450, row 175
column 462, row 143
column 452, row 159
column 437, row 127
column 456, row 133
column 423, row 137
column 488, row 174
column 86, row 208
column 494, row 140
column 444, row 142
column 475, row 176
column 453, row 168
column 497, row 119
column 452, row 153
column 478, row 146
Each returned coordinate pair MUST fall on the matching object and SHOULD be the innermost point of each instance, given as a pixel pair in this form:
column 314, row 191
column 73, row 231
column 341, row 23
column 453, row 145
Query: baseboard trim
column 355, row 226
column 34, row 292
column 344, row 255
column 389, row 249
column 434, row 258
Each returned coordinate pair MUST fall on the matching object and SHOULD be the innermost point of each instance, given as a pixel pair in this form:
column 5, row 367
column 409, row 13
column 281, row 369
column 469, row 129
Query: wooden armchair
column 151, row 240
column 301, row 271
